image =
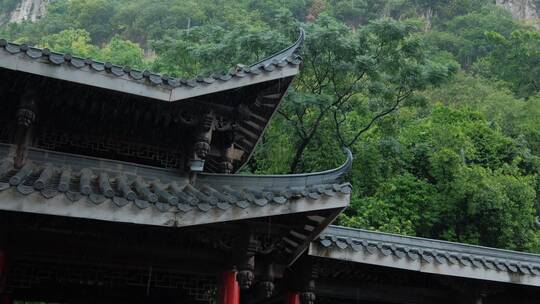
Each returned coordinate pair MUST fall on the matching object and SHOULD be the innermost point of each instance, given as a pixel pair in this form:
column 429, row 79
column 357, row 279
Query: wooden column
column 229, row 291
column 292, row 298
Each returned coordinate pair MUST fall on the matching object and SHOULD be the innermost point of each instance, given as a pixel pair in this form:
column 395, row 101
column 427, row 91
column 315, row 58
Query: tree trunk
column 298, row 155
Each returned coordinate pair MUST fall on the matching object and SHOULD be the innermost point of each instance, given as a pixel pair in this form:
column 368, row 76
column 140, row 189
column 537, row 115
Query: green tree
column 449, row 175
column 123, row 52
column 210, row 48
column 465, row 36
column 94, row 16
column 73, row 41
column 515, row 60
column 355, row 78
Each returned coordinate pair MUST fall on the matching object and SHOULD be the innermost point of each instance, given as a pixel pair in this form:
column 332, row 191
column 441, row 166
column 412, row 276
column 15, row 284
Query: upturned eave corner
column 290, row 53
column 331, row 177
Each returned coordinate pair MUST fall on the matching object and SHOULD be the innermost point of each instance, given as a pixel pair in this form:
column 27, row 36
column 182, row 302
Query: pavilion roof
column 44, row 62
column 104, row 102
column 427, row 255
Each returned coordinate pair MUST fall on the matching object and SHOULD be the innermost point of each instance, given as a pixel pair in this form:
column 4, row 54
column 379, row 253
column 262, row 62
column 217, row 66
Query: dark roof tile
column 100, row 186
column 278, row 60
column 430, row 251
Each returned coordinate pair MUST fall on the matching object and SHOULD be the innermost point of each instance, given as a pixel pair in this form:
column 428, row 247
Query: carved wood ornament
column 208, row 127
column 267, row 280
column 246, row 267
column 201, row 145
column 305, row 275
column 26, row 118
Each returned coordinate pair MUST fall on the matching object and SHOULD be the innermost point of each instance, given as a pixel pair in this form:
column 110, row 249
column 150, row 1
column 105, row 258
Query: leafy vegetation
column 439, row 100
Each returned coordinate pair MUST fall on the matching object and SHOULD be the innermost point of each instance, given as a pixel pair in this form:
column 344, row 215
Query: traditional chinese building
column 120, row 186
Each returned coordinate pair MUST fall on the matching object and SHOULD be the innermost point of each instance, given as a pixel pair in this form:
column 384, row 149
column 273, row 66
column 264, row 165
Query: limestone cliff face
column 522, row 9
column 35, row 9
column 28, row 10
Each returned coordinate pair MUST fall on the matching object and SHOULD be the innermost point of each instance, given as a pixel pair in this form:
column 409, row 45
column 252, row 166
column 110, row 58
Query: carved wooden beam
column 26, row 118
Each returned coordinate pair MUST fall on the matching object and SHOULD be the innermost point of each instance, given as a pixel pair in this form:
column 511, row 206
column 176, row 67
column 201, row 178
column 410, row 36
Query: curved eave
column 109, row 76
column 290, row 180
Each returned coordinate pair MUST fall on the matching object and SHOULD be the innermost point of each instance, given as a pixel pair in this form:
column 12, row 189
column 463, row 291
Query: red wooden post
column 4, row 299
column 292, row 298
column 229, row 292
column 2, row 270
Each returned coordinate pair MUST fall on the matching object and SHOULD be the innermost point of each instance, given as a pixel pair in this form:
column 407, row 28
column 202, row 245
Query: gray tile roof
column 286, row 57
column 440, row 255
column 75, row 177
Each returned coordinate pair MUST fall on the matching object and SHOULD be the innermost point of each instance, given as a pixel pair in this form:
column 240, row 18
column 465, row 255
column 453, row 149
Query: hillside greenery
column 438, row 100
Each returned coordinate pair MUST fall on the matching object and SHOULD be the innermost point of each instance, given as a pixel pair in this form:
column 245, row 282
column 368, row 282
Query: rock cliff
column 28, row 10
column 522, row 9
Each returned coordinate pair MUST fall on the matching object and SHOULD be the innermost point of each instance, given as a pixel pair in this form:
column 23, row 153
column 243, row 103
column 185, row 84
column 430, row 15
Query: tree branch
column 399, row 99
column 338, row 128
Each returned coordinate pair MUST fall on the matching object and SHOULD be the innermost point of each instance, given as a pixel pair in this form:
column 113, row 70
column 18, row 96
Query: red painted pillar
column 292, row 298
column 229, row 292
column 4, row 299
column 3, row 264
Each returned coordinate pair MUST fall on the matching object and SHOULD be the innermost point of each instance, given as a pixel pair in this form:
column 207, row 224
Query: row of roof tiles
column 122, row 189
column 270, row 64
column 370, row 246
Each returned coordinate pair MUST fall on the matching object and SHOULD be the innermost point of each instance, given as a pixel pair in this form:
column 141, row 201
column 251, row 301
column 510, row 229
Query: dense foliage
column 439, row 100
